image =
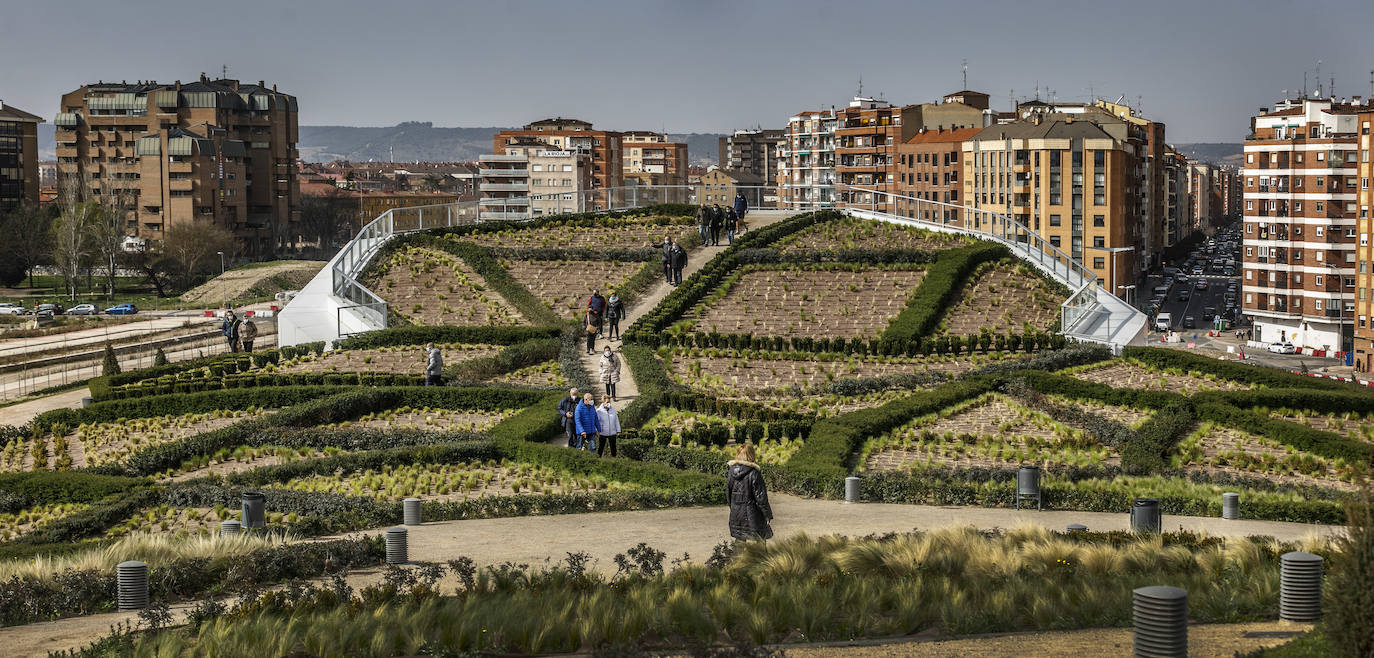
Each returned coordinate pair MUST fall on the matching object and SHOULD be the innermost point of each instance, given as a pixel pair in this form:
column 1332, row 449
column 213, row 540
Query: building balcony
column 488, row 214
column 505, row 187
column 495, row 157
column 495, row 173
column 505, row 201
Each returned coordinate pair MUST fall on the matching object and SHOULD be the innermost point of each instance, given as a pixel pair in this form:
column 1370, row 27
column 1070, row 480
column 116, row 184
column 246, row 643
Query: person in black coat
column 717, row 220
column 704, row 222
column 666, row 247
column 679, row 263
column 566, row 410
column 615, row 309
column 731, row 221
column 750, row 512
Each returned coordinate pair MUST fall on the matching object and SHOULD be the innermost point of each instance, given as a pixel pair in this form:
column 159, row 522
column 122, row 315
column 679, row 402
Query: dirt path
column 21, row 413
column 627, row 390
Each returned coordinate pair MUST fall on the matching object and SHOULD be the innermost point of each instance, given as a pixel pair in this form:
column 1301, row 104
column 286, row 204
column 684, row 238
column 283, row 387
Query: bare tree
column 192, row 246
column 71, row 232
column 111, row 226
column 149, row 261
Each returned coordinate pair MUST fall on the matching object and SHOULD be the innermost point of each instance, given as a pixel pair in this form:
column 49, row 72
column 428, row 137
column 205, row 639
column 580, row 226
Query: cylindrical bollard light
column 133, row 585
column 410, row 510
column 1230, row 506
column 253, row 513
column 1028, row 484
column 397, row 551
column 1300, row 586
column 1145, row 515
column 851, row 489
column 86, row 402
column 1160, row 617
column 229, row 528
column 1077, row 527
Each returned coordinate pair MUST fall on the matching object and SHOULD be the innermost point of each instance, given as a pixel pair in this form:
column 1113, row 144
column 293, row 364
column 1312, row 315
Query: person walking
column 434, row 366
column 704, row 222
column 615, row 309
column 717, row 220
column 609, row 369
column 679, row 263
column 741, row 205
column 589, row 327
column 596, row 307
column 588, row 424
column 667, row 255
column 731, row 221
column 610, row 426
column 247, row 334
column 230, row 329
column 566, row 407
column 750, row 512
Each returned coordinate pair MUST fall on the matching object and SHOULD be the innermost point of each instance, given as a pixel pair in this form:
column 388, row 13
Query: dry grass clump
column 150, row 548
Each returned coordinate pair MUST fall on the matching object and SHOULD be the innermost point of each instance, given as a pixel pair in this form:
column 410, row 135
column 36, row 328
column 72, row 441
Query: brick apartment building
column 754, row 151
column 648, row 158
column 217, row 150
column 603, row 148
column 1178, row 212
column 1364, row 256
column 806, row 161
column 19, row 180
column 1301, row 171
column 930, row 167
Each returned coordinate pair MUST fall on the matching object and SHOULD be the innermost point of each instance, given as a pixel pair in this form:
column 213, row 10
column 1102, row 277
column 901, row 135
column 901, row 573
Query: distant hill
column 1221, row 153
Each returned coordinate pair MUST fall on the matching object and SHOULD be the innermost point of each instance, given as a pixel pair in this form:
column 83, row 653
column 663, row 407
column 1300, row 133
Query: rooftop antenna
column 1092, row 94
column 1304, row 85
column 1332, row 91
column 1371, row 85
column 964, row 63
column 1011, row 98
column 1319, row 78
column 224, row 72
column 861, row 85
column 1037, row 90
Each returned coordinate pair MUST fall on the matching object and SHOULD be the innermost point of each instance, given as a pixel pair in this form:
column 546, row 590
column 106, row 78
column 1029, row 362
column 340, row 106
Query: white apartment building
column 534, row 179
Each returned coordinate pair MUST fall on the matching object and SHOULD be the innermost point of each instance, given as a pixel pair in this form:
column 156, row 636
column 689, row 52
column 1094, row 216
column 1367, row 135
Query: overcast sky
column 1200, row 66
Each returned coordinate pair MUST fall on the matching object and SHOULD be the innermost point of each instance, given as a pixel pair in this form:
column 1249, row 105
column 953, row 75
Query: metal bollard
column 397, row 551
column 229, row 528
column 851, row 489
column 410, row 511
column 1145, row 515
column 133, row 585
column 1300, row 586
column 1230, row 506
column 1160, row 617
column 252, row 514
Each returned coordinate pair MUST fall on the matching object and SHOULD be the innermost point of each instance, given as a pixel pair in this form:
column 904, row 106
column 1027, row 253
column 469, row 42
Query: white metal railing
column 1088, row 314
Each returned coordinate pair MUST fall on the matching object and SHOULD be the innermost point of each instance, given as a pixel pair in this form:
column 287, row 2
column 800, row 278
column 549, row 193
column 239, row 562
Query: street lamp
column 1111, row 281
column 224, row 297
column 1130, row 293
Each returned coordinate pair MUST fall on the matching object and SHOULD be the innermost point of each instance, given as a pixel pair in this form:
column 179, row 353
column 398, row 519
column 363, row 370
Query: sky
column 1202, row 67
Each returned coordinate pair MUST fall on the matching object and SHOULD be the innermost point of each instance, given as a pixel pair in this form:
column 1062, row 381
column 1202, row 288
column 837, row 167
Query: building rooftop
column 942, row 136
column 1047, row 129
column 12, row 113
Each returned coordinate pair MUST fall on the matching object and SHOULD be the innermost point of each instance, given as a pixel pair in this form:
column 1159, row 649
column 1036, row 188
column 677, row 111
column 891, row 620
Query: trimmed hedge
column 1320, row 401
column 938, row 288
column 180, row 404
column 211, row 382
column 916, row 346
column 536, row 423
column 511, row 358
column 44, row 487
column 1162, row 357
column 769, row 255
column 651, row 376
column 663, row 214
column 1300, row 437
column 101, row 386
column 420, row 335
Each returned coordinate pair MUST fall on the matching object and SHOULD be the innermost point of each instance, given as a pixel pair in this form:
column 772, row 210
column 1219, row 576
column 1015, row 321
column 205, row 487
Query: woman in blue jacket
column 587, row 424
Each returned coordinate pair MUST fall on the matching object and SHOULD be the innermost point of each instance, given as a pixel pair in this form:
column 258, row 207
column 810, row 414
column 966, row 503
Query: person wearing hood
column 750, row 512
column 717, row 221
column 615, row 309
column 609, row 370
column 588, row 425
column 610, row 426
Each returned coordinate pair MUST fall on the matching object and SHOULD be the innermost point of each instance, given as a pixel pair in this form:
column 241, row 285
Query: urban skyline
column 726, row 71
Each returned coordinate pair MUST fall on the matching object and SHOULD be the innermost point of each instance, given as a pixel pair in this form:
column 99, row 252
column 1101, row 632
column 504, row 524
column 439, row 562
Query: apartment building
column 220, row 150
column 648, row 158
column 754, row 151
column 930, row 168
column 806, row 161
column 532, row 179
column 1071, row 180
column 1201, row 193
column 19, row 181
column 721, row 185
column 1178, row 211
column 1364, row 255
column 603, row 148
column 868, row 133
column 1301, row 171
column 1153, row 201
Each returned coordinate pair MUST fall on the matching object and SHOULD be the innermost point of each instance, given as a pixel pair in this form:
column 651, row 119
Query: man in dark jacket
column 748, row 498
column 679, row 263
column 596, row 308
column 667, row 250
column 717, row 220
column 741, row 205
column 230, row 329
column 704, row 222
column 566, row 409
column 731, row 221
column 615, row 310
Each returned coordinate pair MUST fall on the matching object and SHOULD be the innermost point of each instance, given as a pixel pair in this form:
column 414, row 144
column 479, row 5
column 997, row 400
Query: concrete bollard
column 397, row 551
column 1230, row 506
column 229, row 528
column 1160, row 618
column 410, row 511
column 133, row 585
column 252, row 511
column 851, row 489
column 1300, row 586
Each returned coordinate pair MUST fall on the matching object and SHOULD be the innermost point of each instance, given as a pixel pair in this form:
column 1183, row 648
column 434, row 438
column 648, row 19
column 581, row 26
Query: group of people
column 713, row 218
column 240, row 332
column 602, row 312
column 674, row 258
column 589, row 426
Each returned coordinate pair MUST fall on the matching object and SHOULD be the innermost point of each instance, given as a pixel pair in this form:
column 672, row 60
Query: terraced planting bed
column 543, row 375
column 430, row 420
column 95, row 444
column 741, row 374
column 1215, row 449
column 1349, row 424
column 853, row 233
column 396, row 360
column 185, row 521
column 17, row 524
column 989, row 431
column 1128, row 416
column 822, row 405
column 819, row 303
column 624, row 234
column 565, row 285
column 1004, row 298
column 770, row 450
column 454, row 482
column 431, row 287
column 245, row 458
column 1125, row 374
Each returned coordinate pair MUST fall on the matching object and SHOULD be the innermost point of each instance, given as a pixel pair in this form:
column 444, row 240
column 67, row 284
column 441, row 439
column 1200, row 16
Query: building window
column 1098, row 262
column 1054, row 241
column 1098, row 241
column 1054, row 220
column 1099, row 220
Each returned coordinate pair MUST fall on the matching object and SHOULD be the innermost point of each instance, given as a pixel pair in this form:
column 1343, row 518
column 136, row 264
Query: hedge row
column 1320, row 401
column 651, row 376
column 938, row 289
column 28, row 489
column 663, row 214
column 101, row 386
column 1300, row 437
column 421, row 335
column 771, row 255
column 916, row 346
column 509, row 359
column 179, row 404
column 735, row 409
column 1162, row 358
column 167, row 386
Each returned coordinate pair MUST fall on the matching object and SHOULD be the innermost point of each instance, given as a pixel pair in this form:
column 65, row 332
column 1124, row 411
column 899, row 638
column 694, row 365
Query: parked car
column 122, row 309
column 83, row 309
column 1283, row 348
column 1164, row 322
column 11, row 309
column 53, row 309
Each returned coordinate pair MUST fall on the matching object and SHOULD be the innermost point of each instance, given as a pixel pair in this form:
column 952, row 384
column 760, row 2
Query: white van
column 1164, row 322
